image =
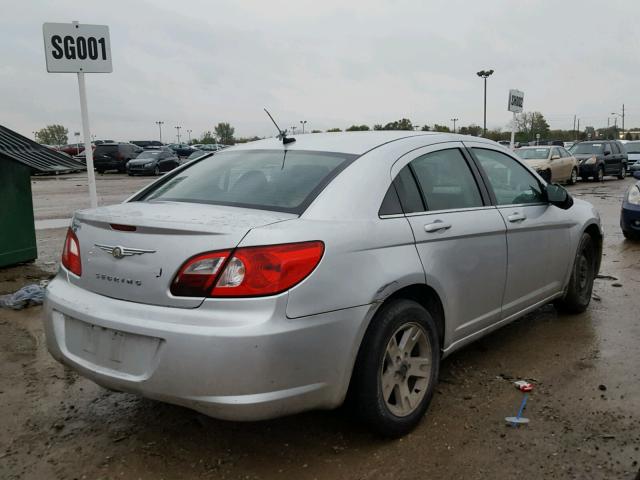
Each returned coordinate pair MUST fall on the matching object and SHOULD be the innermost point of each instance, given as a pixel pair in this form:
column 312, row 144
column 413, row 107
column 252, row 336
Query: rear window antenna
column 282, row 134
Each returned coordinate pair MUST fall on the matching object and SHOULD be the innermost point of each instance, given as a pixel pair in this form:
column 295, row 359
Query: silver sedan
column 274, row 278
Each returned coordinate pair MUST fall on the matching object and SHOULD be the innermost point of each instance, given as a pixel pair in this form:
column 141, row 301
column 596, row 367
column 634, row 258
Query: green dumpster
column 17, row 229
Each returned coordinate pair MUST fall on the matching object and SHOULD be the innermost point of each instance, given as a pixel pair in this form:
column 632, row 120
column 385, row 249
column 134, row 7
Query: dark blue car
column 630, row 215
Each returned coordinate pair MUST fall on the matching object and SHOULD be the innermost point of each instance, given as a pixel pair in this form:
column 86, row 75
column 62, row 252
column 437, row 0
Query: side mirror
column 636, row 174
column 607, row 152
column 555, row 157
column 558, row 196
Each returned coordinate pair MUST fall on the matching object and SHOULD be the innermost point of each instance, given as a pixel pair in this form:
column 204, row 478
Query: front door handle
column 516, row 217
column 436, row 226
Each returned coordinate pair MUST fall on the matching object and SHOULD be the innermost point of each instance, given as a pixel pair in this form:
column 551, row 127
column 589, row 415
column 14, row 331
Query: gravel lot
column 584, row 410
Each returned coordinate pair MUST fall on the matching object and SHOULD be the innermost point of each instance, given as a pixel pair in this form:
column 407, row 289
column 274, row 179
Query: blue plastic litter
column 28, row 295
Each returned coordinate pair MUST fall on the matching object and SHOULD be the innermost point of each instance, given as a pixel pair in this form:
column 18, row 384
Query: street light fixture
column 303, row 122
column 454, row 120
column 159, row 123
column 178, row 130
column 485, row 74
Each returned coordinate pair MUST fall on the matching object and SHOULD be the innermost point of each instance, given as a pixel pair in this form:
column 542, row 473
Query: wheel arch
column 596, row 235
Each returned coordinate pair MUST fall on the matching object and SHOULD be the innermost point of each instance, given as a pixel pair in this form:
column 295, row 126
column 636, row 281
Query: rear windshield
column 263, row 179
column 583, row 148
column 149, row 154
column 106, row 149
column 533, row 153
column 632, row 147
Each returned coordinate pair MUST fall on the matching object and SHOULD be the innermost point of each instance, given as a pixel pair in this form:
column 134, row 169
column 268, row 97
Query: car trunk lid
column 132, row 251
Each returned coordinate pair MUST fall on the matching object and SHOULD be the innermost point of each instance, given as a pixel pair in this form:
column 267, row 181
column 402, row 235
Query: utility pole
column 574, row 125
column 578, row 130
column 178, row 129
column 159, row 123
column 189, row 132
column 454, row 120
column 35, row 136
column 303, row 122
column 623, row 120
column 484, row 74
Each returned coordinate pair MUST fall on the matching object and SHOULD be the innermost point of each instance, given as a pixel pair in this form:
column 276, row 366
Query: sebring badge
column 119, row 252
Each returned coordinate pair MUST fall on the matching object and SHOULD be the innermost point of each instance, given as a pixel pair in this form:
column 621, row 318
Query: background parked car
column 182, row 149
column 554, row 164
column 633, row 154
column 153, row 162
column 147, row 143
column 114, row 156
column 196, row 154
column 600, row 158
column 630, row 214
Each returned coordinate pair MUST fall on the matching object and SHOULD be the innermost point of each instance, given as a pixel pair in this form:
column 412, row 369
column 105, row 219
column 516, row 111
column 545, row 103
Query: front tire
column 156, row 171
column 578, row 294
column 600, row 175
column 631, row 235
column 397, row 368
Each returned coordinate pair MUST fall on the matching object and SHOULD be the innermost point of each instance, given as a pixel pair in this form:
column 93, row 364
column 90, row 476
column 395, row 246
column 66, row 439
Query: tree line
column 528, row 126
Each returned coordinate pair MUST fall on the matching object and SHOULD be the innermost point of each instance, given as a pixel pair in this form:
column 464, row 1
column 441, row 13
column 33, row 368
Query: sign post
column 80, row 49
column 515, row 105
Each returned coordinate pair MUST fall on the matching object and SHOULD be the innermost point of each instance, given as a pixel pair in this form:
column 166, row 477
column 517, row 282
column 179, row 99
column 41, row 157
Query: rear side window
column 286, row 181
column 446, row 180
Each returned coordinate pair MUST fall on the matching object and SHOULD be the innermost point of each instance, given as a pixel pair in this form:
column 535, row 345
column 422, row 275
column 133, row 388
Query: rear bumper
column 230, row 359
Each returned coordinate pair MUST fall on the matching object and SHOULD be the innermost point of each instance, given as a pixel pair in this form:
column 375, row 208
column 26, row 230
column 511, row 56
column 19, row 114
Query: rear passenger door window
column 446, row 181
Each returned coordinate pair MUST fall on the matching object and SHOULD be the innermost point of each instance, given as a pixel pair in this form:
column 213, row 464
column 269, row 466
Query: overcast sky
column 195, row 63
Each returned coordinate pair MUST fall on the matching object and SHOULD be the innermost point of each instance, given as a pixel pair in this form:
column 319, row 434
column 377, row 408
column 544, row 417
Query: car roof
column 356, row 143
column 531, row 147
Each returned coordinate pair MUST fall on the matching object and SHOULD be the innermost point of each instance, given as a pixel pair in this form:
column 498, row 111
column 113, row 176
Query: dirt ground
column 583, row 411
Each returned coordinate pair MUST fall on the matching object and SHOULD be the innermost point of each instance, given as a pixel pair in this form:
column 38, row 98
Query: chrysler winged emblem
column 119, row 252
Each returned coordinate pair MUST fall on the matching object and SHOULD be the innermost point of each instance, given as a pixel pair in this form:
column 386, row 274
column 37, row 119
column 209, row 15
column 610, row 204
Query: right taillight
column 249, row 272
column 71, row 253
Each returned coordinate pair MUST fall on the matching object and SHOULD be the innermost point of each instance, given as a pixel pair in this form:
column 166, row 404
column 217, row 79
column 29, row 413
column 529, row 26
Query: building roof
column 41, row 159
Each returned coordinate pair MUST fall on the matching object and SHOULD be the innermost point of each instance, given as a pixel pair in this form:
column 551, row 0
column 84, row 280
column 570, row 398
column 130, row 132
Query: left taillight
column 248, row 271
column 71, row 253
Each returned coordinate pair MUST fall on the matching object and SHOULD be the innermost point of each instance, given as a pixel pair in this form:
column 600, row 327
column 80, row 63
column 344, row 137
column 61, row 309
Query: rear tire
column 573, row 179
column 402, row 340
column 578, row 295
column 600, row 175
column 100, row 170
column 623, row 172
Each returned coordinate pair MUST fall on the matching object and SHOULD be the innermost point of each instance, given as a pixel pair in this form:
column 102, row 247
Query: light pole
column 485, row 74
column 159, row 123
column 178, row 130
column 303, row 122
column 189, row 132
column 454, row 120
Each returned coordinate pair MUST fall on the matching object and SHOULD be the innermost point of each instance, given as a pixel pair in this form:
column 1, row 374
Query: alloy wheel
column 406, row 369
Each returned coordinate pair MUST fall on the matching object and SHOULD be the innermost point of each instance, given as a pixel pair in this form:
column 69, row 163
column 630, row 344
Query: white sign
column 77, row 48
column 516, row 101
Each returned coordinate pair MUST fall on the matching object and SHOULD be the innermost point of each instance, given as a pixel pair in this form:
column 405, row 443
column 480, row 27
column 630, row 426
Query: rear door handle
column 516, row 217
column 436, row 226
